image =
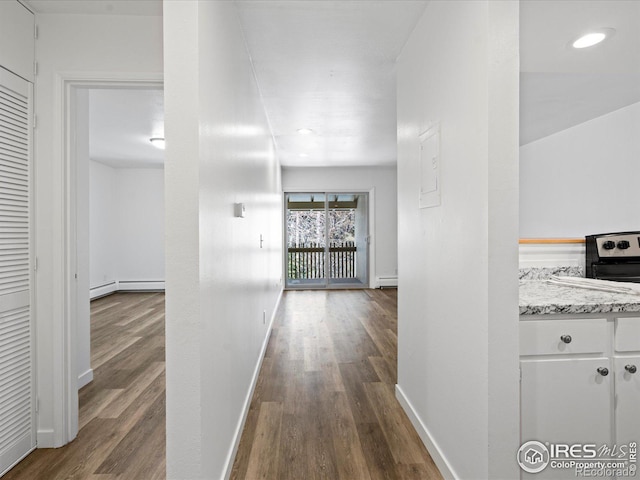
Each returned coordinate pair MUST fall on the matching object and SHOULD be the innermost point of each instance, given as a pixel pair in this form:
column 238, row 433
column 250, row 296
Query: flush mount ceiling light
column 157, row 142
column 592, row 38
column 304, row 131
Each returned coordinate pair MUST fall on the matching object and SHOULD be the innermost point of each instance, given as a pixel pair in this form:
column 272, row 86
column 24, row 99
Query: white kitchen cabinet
column 565, row 395
column 564, row 337
column 566, row 400
column 627, row 398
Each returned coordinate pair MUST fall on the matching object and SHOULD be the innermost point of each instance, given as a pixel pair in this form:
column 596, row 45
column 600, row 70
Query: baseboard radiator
column 387, row 281
column 126, row 286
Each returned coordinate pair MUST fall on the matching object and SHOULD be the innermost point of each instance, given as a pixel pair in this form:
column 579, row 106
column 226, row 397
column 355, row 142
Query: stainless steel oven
column 613, row 256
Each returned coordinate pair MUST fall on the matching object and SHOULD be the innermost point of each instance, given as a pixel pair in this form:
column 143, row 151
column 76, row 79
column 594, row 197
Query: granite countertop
column 542, row 297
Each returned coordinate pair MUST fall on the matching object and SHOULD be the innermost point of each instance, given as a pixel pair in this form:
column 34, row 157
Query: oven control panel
column 618, row 246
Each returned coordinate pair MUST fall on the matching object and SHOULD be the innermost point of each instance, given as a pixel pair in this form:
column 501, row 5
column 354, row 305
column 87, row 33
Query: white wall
column 71, row 46
column 583, row 180
column 383, row 180
column 103, row 223
column 140, row 230
column 458, row 262
column 219, row 281
column 127, row 228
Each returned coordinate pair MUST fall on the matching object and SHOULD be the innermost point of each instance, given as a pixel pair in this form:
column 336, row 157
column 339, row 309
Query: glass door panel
column 306, row 239
column 348, row 238
column 327, row 238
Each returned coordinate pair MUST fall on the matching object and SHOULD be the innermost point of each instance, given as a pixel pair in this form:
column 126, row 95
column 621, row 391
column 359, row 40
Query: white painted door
column 17, row 409
column 565, row 401
column 627, row 399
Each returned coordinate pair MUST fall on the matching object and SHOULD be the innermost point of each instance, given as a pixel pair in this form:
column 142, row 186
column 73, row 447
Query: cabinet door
column 627, row 400
column 565, row 401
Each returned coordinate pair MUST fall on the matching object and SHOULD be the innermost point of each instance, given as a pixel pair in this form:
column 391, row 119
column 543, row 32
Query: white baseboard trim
column 14, row 454
column 103, row 290
column 85, row 378
column 247, row 401
column 46, row 438
column 127, row 286
column 436, row 453
column 386, row 281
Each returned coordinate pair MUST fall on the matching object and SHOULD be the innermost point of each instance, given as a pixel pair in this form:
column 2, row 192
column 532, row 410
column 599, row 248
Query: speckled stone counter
column 541, row 297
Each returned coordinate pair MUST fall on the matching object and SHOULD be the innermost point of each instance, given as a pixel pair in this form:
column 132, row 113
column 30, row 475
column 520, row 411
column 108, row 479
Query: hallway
column 324, row 405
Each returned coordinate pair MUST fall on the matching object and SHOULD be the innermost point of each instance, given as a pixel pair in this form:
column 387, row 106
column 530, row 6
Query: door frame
column 62, row 397
column 371, row 227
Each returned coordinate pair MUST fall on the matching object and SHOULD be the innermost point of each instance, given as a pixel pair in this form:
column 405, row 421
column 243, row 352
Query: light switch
column 239, row 210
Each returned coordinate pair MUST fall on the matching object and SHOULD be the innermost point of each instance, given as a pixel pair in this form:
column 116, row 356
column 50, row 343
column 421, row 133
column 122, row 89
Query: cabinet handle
column 603, row 371
column 566, row 338
column 630, row 368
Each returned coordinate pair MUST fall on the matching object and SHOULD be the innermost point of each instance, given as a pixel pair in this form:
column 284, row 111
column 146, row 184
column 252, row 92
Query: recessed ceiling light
column 157, row 142
column 304, row 131
column 592, row 38
column 303, row 155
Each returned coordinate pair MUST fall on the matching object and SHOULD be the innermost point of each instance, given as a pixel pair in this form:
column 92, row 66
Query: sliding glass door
column 327, row 239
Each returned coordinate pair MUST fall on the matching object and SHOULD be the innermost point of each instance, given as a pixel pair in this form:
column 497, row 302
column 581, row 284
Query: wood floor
column 324, row 406
column 122, row 412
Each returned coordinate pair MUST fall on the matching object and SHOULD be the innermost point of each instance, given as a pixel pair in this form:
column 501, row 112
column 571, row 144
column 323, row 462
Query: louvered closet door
column 17, row 425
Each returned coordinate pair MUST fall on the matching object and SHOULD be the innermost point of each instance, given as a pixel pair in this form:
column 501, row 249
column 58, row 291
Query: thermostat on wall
column 239, row 210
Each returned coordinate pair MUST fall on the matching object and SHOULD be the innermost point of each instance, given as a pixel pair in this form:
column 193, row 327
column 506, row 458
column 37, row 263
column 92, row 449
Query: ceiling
column 121, row 124
column 330, row 66
column 560, row 86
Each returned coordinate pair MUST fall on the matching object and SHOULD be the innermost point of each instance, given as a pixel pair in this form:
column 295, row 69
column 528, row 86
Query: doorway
column 327, row 239
column 122, row 181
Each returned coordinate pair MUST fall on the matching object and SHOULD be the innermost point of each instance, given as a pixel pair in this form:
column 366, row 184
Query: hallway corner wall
column 223, row 273
column 458, row 260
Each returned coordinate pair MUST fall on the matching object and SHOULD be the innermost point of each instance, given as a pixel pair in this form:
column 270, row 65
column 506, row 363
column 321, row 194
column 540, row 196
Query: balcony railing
column 308, row 261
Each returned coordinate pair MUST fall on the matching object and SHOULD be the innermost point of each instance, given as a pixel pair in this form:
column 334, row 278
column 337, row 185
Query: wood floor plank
column 380, row 461
column 386, row 372
column 354, row 380
column 350, row 460
column 108, row 351
column 311, row 358
column 417, row 471
column 144, row 322
column 263, row 460
column 393, row 423
column 294, row 398
column 125, row 454
column 149, row 349
column 134, row 318
column 130, row 395
column 293, row 463
column 103, row 399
